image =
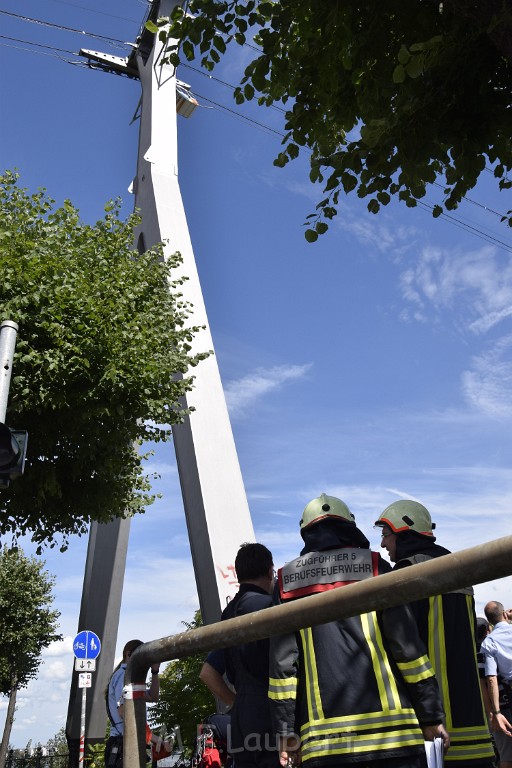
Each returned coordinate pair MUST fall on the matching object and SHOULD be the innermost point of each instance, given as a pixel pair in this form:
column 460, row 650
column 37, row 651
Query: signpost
column 86, row 647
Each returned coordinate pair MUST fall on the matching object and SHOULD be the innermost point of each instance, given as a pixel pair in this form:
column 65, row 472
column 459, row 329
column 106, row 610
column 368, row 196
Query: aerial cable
column 39, row 45
column 240, row 116
column 92, row 10
column 473, row 202
column 469, row 228
column 41, row 53
column 65, row 29
column 221, row 82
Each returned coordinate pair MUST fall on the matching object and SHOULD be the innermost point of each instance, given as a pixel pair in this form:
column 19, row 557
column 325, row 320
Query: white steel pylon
column 215, row 503
column 214, row 498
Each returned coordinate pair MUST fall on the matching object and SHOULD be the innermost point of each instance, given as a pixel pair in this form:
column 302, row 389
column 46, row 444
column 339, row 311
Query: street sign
column 84, row 680
column 86, row 645
column 85, row 665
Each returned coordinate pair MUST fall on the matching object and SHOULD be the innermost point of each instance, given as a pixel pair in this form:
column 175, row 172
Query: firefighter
column 446, row 624
column 358, row 691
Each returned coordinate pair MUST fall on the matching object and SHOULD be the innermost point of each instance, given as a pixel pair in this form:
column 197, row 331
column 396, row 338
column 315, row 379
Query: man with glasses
column 446, row 624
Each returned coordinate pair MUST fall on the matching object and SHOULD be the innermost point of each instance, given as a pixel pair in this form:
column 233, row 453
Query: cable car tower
column 215, row 503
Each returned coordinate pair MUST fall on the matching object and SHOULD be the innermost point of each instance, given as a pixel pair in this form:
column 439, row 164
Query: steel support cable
column 240, row 116
column 223, row 82
column 473, row 202
column 38, row 45
column 42, row 23
column 470, row 228
column 492, row 560
column 100, row 13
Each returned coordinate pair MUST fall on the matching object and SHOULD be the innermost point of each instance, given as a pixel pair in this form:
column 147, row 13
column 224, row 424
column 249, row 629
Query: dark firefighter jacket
column 353, row 689
column 446, row 624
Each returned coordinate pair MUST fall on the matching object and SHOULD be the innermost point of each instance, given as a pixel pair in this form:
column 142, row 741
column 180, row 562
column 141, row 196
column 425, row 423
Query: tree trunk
column 11, row 708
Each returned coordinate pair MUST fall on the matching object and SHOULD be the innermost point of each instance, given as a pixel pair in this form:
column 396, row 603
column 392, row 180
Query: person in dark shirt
column 247, row 665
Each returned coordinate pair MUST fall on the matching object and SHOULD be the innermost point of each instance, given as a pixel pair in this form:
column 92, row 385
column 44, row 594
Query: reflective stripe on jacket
column 354, row 687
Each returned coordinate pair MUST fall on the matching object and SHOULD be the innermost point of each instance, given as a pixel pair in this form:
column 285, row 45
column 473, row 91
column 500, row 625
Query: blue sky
column 373, row 365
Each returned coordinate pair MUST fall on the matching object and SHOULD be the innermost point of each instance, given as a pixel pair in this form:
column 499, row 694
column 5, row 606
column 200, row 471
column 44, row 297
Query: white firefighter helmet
column 324, row 507
column 407, row 515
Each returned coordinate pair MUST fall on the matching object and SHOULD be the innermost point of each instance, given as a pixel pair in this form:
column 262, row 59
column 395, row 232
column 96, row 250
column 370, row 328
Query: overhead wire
column 93, row 10
column 461, row 224
column 50, row 24
column 240, row 116
column 222, row 82
column 38, row 45
column 474, row 202
column 456, row 221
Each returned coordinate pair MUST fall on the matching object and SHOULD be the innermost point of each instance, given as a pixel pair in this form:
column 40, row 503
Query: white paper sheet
column 434, row 750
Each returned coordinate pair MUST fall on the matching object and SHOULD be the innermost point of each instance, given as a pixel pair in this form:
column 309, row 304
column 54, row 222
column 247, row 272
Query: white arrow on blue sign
column 86, row 645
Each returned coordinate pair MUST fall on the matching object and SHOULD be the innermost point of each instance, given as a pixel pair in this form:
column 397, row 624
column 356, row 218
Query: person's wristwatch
column 496, row 712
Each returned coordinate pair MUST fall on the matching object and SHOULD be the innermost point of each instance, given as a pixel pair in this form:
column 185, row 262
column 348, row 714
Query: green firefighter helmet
column 407, row 515
column 324, row 507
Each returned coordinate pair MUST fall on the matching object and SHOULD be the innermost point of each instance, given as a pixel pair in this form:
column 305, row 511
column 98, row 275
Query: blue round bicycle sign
column 86, row 645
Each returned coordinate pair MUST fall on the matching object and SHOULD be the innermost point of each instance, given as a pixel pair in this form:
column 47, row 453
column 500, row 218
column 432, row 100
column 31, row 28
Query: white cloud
column 59, row 648
column 486, row 322
column 243, row 393
column 476, row 284
column 487, row 386
column 378, row 232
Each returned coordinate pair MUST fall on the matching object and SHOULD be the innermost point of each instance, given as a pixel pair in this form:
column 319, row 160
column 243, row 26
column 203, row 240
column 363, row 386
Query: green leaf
column 188, row 50
column 219, row 44
column 248, row 91
column 281, row 160
column 383, row 198
column 415, row 67
column 373, row 206
column 399, row 74
column 349, row 182
column 403, row 55
column 293, row 151
column 310, row 235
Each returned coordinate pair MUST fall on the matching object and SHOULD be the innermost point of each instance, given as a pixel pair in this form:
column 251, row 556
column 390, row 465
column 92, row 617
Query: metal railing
column 492, row 560
column 37, row 758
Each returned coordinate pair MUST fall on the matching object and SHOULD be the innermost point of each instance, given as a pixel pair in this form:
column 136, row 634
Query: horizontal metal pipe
column 476, row 565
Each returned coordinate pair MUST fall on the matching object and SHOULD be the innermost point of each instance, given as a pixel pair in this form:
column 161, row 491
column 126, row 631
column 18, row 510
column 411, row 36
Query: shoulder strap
column 415, row 559
column 113, row 722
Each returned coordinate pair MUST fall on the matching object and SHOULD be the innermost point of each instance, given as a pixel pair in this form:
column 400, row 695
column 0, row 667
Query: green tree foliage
column 28, row 626
column 101, row 360
column 387, row 96
column 58, row 749
column 184, row 700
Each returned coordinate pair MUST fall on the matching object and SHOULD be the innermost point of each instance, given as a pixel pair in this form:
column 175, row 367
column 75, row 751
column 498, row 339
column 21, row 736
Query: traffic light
column 13, row 449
